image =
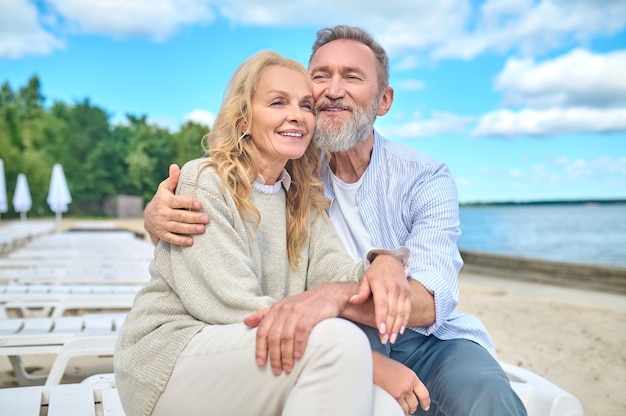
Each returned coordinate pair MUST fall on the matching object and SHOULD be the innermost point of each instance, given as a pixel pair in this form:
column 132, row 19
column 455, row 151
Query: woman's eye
column 276, row 103
column 307, row 106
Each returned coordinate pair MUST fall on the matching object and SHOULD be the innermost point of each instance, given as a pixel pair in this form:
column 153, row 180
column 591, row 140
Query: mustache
column 329, row 102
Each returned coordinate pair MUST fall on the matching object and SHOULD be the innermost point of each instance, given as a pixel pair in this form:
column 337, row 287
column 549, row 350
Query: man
column 386, row 195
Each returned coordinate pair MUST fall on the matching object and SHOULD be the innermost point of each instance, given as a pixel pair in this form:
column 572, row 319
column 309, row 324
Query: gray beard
column 335, row 135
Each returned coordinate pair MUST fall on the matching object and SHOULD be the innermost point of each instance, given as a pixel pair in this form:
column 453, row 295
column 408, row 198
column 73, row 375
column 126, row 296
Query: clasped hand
column 284, row 328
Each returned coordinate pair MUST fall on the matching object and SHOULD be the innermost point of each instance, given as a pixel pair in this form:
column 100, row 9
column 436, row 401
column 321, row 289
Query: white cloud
column 444, row 28
column 155, row 19
column 410, row 85
column 605, row 165
column 199, row 116
column 534, row 27
column 551, row 122
column 578, row 78
column 440, row 123
column 22, row 33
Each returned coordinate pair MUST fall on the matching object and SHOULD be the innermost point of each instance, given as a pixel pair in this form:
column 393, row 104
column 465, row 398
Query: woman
column 183, row 348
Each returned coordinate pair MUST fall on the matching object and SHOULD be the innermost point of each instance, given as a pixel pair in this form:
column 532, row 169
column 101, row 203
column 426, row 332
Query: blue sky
column 524, row 100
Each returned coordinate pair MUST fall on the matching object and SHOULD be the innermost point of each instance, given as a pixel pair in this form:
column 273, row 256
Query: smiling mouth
column 295, row 135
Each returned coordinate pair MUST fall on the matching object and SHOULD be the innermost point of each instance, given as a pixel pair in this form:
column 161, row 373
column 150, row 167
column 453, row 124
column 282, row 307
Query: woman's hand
column 385, row 279
column 401, row 382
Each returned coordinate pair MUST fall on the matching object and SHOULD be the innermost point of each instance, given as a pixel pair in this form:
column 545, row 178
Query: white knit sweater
column 230, row 272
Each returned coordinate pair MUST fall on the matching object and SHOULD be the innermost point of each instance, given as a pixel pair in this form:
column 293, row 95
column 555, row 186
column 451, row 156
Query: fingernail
column 199, row 228
column 393, row 338
column 260, row 362
column 195, row 205
column 204, row 218
column 402, row 328
column 385, row 339
column 382, row 329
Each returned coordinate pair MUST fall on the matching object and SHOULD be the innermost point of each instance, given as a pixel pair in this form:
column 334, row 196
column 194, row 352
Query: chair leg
column 23, row 377
column 96, row 345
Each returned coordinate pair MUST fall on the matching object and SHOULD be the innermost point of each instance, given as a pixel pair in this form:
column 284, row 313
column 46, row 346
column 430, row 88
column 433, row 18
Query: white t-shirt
column 345, row 215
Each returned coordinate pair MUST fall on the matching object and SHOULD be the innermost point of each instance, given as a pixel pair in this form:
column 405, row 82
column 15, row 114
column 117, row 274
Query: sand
column 574, row 338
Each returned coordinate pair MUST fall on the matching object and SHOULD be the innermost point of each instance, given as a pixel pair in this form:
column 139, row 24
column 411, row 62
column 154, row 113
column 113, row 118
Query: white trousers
column 217, row 374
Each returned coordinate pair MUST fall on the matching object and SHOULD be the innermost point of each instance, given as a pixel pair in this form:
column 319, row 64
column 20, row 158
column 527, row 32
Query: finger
column 303, row 331
column 422, row 394
column 405, row 406
column 275, row 351
column 179, row 202
column 393, row 318
column 172, row 181
column 176, row 239
column 180, row 228
column 287, row 347
column 261, row 349
column 363, row 293
column 255, row 319
column 187, row 217
column 380, row 315
column 412, row 403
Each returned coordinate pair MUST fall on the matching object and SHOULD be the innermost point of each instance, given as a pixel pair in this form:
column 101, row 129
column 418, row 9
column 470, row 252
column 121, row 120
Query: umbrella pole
column 58, row 220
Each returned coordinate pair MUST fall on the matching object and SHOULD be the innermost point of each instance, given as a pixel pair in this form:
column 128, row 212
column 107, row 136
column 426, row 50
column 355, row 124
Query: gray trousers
column 463, row 379
column 217, row 374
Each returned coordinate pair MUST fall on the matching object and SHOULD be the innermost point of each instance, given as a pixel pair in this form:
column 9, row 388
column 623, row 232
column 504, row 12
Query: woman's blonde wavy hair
column 228, row 145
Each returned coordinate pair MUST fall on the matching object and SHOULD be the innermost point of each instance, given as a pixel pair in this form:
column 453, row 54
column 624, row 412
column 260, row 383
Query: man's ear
column 385, row 101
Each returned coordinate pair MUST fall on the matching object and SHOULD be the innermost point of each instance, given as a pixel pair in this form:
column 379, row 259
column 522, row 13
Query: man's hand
column 284, row 328
column 401, row 382
column 170, row 217
column 386, row 280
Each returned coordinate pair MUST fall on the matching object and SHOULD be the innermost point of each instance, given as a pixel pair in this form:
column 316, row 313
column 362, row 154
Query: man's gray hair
column 357, row 34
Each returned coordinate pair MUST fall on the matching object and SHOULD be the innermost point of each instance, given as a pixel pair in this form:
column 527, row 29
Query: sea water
column 577, row 233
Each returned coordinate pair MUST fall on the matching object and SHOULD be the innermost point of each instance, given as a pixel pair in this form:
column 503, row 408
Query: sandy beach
column 574, row 338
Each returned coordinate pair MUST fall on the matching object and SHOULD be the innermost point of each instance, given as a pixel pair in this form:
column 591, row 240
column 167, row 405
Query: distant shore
column 545, row 202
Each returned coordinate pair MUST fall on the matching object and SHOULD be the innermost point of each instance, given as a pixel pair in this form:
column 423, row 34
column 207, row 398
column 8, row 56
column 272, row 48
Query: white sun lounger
column 74, row 276
column 540, row 396
column 67, row 337
column 55, row 300
column 78, row 262
column 95, row 396
column 15, row 234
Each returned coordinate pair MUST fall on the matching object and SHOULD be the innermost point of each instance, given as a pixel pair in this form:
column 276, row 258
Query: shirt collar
column 284, row 181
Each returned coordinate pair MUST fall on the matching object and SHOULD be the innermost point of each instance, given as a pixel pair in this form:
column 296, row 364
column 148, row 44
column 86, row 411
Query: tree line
column 100, row 160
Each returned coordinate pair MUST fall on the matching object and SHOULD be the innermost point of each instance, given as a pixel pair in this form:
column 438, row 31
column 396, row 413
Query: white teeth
column 291, row 134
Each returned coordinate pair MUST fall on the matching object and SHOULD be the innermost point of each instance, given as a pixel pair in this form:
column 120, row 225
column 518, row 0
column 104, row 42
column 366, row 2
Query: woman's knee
column 341, row 336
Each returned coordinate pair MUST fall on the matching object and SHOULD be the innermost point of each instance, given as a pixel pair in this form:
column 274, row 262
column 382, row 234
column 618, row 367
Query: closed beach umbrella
column 59, row 194
column 21, row 198
column 4, row 204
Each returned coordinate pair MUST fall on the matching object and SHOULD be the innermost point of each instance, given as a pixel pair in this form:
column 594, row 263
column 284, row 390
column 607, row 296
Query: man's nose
column 335, row 88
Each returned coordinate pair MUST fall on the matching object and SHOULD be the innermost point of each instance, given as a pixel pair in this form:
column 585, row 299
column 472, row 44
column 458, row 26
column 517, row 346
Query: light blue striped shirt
column 409, row 199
